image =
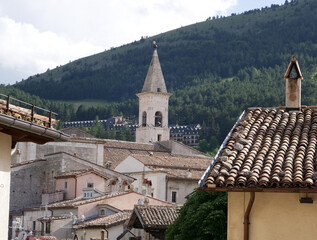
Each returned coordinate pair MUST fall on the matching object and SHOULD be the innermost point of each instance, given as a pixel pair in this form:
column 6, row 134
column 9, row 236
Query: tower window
column 144, row 119
column 158, row 119
column 158, row 90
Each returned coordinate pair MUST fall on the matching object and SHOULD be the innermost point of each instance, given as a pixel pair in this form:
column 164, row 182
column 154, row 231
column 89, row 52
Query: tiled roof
column 268, row 149
column 76, row 132
column 177, row 166
column 77, row 173
column 27, row 162
column 134, row 146
column 155, row 216
column 80, row 201
column 173, row 173
column 106, row 221
column 73, row 173
column 117, row 151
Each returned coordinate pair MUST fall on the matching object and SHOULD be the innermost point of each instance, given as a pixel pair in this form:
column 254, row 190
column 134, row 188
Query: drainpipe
column 247, row 216
column 75, row 187
column 166, row 189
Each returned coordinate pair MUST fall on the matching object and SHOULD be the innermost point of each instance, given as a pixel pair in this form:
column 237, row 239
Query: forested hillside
column 215, row 69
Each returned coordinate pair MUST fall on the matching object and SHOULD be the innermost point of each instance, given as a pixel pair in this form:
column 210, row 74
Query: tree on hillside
column 203, row 216
column 97, row 129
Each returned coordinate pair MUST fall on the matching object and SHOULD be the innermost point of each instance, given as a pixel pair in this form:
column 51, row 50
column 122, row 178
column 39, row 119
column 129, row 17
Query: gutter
column 206, row 174
column 247, row 216
column 33, row 128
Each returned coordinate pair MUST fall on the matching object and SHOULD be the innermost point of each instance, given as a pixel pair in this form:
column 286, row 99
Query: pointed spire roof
column 154, row 81
column 293, row 65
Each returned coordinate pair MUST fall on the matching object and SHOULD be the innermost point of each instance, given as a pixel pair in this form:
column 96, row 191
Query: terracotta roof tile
column 77, row 173
column 80, row 201
column 156, row 216
column 117, row 151
column 106, row 221
column 27, row 162
column 134, row 146
column 176, row 166
column 269, row 148
column 174, row 161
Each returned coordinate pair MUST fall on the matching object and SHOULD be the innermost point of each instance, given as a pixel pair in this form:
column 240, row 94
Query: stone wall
column 27, row 151
column 29, row 180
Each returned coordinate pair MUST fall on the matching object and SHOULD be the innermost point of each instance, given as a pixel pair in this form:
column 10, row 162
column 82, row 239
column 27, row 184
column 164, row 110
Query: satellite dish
column 22, row 235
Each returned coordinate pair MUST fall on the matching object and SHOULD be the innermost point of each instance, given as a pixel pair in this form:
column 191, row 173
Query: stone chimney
column 293, row 78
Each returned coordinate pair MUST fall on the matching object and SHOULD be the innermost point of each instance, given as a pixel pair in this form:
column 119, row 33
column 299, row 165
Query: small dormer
column 91, row 192
column 106, row 210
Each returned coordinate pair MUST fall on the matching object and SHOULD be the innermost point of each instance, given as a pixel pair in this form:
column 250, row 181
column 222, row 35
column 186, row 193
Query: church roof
column 176, row 166
column 154, row 81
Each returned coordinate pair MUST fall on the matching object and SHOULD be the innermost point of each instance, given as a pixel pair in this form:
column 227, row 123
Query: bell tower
column 153, row 105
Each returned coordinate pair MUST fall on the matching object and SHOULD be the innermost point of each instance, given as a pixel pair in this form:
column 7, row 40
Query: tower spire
column 154, row 81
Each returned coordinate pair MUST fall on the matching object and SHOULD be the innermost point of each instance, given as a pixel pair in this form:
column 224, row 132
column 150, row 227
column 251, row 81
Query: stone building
column 30, row 179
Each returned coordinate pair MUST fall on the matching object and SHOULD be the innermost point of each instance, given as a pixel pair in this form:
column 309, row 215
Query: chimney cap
column 293, row 63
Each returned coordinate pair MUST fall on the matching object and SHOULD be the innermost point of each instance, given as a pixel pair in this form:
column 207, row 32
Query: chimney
column 293, row 78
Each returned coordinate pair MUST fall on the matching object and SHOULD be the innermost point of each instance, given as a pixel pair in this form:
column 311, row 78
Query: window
column 144, row 119
column 174, row 197
column 102, row 212
column 87, row 194
column 90, row 185
column 159, row 137
column 48, row 227
column 65, row 185
column 34, row 226
column 158, row 90
column 158, row 119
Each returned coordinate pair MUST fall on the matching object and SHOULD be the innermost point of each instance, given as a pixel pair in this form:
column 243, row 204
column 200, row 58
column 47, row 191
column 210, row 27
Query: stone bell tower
column 153, row 105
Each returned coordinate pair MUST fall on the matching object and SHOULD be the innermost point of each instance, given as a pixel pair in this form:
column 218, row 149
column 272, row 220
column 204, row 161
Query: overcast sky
column 39, row 34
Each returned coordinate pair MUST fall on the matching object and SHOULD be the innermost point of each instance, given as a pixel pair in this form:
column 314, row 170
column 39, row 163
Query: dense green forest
column 203, row 216
column 215, row 69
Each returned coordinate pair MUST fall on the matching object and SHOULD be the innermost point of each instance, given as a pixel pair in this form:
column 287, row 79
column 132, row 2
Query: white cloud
column 42, row 34
column 26, row 50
